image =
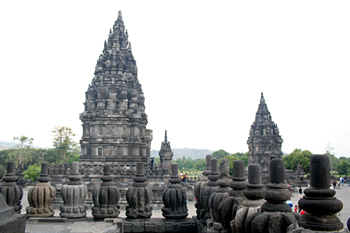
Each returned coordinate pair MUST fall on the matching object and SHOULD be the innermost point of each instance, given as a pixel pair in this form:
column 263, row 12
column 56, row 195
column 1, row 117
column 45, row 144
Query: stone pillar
column 2, row 172
column 229, row 206
column 210, row 188
column 19, row 173
column 9, row 221
column 13, row 193
column 254, row 194
column 139, row 196
column 199, row 186
column 319, row 202
column 73, row 195
column 41, row 196
column 215, row 225
column 174, row 197
column 275, row 215
column 106, row 197
column 166, row 175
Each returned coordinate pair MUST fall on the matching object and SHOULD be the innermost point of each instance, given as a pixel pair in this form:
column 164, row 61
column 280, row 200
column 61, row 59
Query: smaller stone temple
column 166, row 154
column 264, row 140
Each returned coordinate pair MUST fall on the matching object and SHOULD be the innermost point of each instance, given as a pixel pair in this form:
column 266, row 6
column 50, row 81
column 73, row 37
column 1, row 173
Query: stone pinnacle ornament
column 254, row 194
column 139, row 196
column 13, row 193
column 199, row 186
column 174, row 197
column 41, row 196
column 319, row 203
column 73, row 195
column 210, row 188
column 216, row 198
column 2, row 171
column 106, row 197
column 275, row 215
column 228, row 207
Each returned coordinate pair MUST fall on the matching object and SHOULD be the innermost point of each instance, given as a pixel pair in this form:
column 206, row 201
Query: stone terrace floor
column 90, row 225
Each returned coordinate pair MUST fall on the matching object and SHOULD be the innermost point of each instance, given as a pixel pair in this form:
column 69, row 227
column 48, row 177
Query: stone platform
column 187, row 225
column 109, row 225
column 15, row 223
column 60, row 225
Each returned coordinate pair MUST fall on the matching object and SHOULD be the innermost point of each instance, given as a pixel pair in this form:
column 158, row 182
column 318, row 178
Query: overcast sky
column 202, row 66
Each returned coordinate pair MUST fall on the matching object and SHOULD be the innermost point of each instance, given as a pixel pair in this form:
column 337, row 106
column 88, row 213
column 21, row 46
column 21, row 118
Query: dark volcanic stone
column 319, row 172
column 174, row 197
column 275, row 215
column 277, row 171
column 13, row 193
column 320, row 205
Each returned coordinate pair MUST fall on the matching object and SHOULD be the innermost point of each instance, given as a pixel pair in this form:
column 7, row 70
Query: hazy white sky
column 202, row 66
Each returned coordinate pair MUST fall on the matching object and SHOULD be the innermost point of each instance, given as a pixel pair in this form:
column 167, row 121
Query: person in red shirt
column 296, row 208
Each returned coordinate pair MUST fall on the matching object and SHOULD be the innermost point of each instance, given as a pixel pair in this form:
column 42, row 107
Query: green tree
column 23, row 143
column 63, row 141
column 52, row 156
column 189, row 163
column 183, row 161
column 32, row 172
column 230, row 158
column 220, row 154
column 292, row 160
column 200, row 164
column 5, row 156
column 242, row 156
column 343, row 167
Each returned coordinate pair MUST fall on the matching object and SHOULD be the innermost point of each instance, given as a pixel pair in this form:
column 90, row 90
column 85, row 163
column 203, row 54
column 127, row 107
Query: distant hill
column 7, row 145
column 187, row 152
column 10, row 145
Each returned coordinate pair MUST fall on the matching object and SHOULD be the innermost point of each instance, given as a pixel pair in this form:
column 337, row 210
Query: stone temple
column 264, row 140
column 114, row 119
column 166, row 154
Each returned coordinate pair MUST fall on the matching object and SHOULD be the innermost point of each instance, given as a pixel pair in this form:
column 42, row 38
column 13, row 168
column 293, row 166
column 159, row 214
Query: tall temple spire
column 114, row 119
column 264, row 140
column 165, row 153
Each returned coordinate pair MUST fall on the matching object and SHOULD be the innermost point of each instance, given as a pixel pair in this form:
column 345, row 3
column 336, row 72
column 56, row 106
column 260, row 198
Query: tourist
column 185, row 178
column 290, row 203
column 181, row 176
column 347, row 182
column 342, row 181
column 334, row 184
column 296, row 208
column 152, row 162
column 300, row 192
